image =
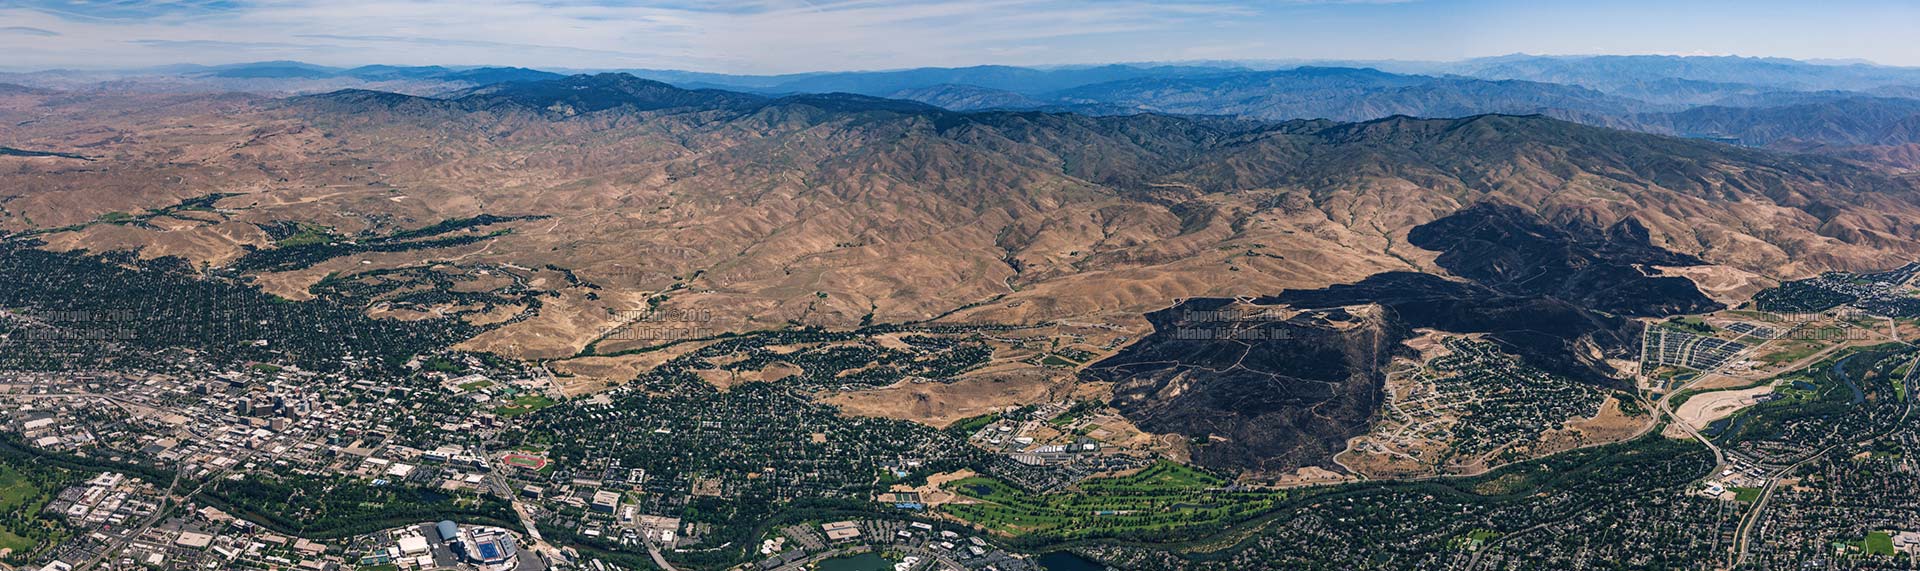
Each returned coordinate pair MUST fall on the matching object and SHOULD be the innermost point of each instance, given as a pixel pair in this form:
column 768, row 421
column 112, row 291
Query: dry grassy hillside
column 835, row 209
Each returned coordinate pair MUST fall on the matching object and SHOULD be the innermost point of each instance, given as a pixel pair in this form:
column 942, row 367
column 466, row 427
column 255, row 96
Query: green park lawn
column 1165, row 498
column 1878, row 543
column 18, row 495
column 524, row 404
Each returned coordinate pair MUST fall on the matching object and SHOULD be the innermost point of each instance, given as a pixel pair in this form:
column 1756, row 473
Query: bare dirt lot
column 1704, row 408
column 934, row 492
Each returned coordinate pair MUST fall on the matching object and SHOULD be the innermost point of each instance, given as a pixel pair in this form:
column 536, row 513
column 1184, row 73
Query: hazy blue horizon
column 794, row 36
column 1393, row 66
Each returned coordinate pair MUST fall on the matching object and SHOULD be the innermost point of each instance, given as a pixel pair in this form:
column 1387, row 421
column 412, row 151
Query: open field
column 587, row 375
column 1878, row 543
column 21, row 531
column 15, row 493
column 1788, row 351
column 1614, row 423
column 524, row 404
column 15, row 490
column 975, row 394
column 934, row 492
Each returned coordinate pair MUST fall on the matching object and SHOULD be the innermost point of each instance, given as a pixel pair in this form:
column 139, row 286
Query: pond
column 1068, row 561
column 857, row 562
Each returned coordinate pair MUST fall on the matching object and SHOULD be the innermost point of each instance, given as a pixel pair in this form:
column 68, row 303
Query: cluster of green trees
column 324, row 507
column 1417, row 525
column 306, row 254
column 423, row 288
column 137, row 309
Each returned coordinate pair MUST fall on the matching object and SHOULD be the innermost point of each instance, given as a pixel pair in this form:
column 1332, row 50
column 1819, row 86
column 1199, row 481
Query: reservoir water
column 857, row 562
column 1068, row 561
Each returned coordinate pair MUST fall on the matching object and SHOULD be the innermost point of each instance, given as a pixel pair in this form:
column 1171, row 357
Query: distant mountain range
column 1658, row 76
column 298, row 70
column 1750, row 101
column 277, row 78
column 1853, row 110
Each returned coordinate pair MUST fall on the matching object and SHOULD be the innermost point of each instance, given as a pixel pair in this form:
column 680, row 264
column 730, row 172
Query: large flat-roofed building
column 606, row 501
column 841, row 531
column 191, row 540
column 414, row 545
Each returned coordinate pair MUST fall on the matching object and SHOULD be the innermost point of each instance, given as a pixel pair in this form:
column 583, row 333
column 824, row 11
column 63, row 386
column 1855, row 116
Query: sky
column 784, row 36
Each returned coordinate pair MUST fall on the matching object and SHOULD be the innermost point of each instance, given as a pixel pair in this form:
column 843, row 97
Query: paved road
column 167, row 499
column 1662, row 409
column 116, row 545
column 500, row 486
column 654, row 552
column 1743, row 537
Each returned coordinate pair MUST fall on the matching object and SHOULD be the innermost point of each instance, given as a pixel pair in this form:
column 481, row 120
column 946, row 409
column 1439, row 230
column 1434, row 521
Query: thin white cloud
column 28, row 31
column 775, row 36
column 731, row 35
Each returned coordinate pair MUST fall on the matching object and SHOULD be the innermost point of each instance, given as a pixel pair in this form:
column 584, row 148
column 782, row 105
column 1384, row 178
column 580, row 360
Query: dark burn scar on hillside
column 1276, row 383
